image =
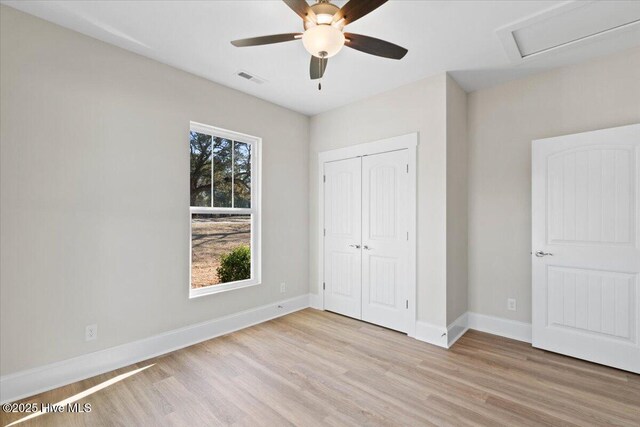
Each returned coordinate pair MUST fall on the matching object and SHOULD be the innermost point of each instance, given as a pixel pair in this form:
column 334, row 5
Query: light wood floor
column 318, row 368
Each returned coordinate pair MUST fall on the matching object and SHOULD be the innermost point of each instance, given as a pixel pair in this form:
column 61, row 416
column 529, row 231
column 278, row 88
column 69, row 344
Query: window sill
column 216, row 289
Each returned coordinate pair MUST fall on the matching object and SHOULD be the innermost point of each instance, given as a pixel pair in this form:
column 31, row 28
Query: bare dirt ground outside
column 211, row 237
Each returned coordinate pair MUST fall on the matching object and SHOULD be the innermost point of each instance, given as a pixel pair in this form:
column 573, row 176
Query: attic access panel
column 568, row 25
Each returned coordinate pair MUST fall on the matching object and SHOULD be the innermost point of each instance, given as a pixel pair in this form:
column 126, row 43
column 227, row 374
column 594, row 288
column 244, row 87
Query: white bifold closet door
column 366, row 238
column 385, row 239
column 343, row 236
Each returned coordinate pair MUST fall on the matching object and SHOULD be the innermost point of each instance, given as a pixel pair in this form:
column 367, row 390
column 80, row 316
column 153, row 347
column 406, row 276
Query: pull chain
column 320, row 74
column 323, row 55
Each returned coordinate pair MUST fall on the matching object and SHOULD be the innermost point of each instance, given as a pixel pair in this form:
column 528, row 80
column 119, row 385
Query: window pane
column 222, row 171
column 220, row 249
column 241, row 175
column 200, row 169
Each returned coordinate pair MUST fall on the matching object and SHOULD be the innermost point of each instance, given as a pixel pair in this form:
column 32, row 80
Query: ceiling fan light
column 323, row 39
column 324, row 18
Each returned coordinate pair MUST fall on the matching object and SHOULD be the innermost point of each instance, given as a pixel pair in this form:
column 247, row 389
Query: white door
column 586, row 254
column 385, row 235
column 342, row 239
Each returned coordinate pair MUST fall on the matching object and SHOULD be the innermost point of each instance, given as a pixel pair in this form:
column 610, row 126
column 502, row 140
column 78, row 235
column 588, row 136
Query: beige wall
column 95, row 194
column 502, row 122
column 420, row 107
column 457, row 180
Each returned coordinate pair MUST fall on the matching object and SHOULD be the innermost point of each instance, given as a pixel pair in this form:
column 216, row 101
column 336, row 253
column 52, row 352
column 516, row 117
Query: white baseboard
column 37, row 380
column 440, row 336
column 457, row 329
column 435, row 335
column 431, row 334
column 315, row 301
column 513, row 329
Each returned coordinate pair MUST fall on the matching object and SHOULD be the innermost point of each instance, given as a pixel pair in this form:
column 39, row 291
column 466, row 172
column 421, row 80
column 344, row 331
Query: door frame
column 407, row 142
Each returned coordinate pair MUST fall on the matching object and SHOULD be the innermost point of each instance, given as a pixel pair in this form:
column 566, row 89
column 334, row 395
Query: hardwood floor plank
column 318, row 368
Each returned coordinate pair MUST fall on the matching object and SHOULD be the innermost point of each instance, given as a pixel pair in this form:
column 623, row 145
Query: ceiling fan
column 324, row 34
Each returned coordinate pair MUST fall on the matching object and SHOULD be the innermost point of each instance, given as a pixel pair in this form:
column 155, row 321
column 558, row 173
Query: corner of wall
column 457, row 205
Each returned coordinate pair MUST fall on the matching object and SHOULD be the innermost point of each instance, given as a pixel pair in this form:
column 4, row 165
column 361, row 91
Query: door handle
column 366, row 248
column 355, row 246
column 541, row 254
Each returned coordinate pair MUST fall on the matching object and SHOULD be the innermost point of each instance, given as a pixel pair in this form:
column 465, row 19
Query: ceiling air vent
column 251, row 77
column 568, row 25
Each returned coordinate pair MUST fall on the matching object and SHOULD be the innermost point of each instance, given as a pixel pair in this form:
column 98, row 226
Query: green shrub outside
column 235, row 265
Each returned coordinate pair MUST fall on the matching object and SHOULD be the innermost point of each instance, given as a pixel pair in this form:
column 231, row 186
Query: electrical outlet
column 283, row 287
column 511, row 304
column 91, row 333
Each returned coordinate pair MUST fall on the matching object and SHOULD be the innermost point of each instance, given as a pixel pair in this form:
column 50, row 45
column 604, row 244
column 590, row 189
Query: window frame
column 254, row 211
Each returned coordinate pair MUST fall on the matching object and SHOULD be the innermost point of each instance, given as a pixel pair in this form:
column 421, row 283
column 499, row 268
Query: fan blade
column 317, row 67
column 356, row 9
column 275, row 38
column 374, row 46
column 301, row 7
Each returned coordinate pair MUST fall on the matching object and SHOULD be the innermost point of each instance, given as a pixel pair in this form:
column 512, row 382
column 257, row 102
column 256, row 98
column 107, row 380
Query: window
column 225, row 210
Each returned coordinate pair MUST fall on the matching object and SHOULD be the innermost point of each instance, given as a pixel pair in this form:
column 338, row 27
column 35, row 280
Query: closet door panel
column 385, row 239
column 342, row 237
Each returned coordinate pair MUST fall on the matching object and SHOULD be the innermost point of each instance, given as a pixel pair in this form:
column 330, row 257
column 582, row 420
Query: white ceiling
column 455, row 36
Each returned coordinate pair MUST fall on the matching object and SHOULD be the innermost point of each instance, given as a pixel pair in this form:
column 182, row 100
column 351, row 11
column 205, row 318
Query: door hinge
column 324, row 286
column 407, row 235
column 407, row 304
column 324, row 231
column 407, row 167
column 324, row 178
